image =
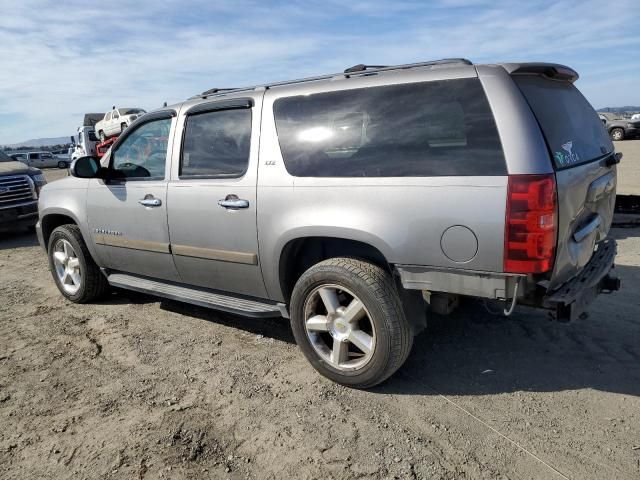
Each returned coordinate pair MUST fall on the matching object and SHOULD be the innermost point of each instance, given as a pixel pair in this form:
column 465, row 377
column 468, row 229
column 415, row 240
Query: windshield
column 4, row 157
column 131, row 111
column 573, row 130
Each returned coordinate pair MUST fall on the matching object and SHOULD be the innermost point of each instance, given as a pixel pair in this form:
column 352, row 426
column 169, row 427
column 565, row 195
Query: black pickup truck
column 19, row 190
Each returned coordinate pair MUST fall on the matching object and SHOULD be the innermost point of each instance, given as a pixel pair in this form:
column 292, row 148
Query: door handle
column 232, row 202
column 150, row 201
column 588, row 229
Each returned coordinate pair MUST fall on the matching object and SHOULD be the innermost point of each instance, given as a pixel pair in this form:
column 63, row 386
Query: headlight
column 39, row 179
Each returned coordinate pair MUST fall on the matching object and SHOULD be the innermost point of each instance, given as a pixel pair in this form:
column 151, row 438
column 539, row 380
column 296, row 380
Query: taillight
column 531, row 223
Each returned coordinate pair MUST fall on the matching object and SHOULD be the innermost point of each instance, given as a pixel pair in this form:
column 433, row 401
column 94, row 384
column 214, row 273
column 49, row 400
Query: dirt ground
column 629, row 169
column 137, row 388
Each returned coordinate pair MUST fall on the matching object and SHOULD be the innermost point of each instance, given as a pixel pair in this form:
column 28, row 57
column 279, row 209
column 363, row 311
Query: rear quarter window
column 439, row 128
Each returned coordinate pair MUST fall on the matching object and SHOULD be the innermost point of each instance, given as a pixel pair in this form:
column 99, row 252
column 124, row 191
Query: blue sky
column 60, row 59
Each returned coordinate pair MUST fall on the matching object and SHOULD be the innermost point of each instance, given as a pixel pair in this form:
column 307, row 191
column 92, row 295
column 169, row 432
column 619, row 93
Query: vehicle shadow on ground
column 17, row 239
column 474, row 352
column 276, row 328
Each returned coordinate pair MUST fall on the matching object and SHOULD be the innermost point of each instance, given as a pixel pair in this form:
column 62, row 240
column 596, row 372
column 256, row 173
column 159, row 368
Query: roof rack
column 211, row 91
column 355, row 70
column 361, row 67
column 445, row 61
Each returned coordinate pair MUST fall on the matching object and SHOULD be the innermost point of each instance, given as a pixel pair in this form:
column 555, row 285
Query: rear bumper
column 19, row 216
column 572, row 298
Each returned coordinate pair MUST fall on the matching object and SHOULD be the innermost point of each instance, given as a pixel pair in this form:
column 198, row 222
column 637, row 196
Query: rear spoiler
column 553, row 71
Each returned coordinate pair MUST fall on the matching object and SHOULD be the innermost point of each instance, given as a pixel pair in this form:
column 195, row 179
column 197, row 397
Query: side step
column 199, row 296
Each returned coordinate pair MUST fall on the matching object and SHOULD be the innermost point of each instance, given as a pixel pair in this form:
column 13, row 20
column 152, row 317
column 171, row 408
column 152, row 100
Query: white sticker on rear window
column 567, row 157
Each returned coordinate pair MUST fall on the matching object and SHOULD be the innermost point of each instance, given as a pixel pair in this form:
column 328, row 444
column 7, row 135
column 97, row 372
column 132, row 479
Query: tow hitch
column 570, row 301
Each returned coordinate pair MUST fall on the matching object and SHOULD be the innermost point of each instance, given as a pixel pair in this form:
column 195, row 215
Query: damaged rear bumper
column 571, row 300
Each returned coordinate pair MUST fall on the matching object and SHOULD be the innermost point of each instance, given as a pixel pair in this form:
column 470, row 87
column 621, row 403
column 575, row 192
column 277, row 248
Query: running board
column 197, row 296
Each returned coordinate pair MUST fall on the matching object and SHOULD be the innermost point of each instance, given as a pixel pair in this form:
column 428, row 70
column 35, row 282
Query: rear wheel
column 348, row 320
column 62, row 164
column 617, row 134
column 76, row 274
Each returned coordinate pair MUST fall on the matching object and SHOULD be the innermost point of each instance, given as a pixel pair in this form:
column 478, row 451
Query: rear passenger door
column 212, row 197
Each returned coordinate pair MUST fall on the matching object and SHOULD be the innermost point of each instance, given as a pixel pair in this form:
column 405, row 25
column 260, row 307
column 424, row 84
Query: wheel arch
column 300, row 253
column 53, row 218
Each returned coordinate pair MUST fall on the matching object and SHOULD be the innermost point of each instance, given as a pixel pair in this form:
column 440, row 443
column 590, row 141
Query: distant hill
column 619, row 109
column 40, row 142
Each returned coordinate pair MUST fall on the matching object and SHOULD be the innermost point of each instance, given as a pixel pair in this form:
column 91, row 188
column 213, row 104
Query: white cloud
column 61, row 60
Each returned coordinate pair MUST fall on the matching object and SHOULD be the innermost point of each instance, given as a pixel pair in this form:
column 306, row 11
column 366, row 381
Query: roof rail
column 213, row 91
column 445, row 61
column 361, row 67
column 356, row 69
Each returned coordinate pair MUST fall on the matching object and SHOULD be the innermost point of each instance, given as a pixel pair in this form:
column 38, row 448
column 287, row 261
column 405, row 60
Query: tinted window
column 574, row 132
column 216, row 144
column 420, row 129
column 143, row 153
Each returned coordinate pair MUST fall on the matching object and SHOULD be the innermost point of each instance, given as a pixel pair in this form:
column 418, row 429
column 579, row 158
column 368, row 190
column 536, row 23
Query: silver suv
column 353, row 203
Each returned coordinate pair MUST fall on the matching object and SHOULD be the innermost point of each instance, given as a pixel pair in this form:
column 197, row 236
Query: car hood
column 16, row 168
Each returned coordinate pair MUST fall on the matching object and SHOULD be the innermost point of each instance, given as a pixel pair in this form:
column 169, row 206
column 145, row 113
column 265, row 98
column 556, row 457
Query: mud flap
column 570, row 301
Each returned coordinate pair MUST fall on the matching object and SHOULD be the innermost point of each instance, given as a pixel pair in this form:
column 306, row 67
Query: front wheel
column 617, row 134
column 76, row 274
column 62, row 164
column 348, row 320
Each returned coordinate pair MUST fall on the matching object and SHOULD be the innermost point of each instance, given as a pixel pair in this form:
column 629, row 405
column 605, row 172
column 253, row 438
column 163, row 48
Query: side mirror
column 86, row 167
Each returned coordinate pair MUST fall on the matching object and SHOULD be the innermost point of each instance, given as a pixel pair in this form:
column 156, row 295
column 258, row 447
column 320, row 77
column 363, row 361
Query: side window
column 107, row 117
column 92, row 136
column 439, row 128
column 143, row 153
column 115, row 114
column 33, row 156
column 216, row 144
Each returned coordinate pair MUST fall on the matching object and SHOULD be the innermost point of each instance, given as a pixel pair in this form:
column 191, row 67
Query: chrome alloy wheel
column 339, row 327
column 67, row 266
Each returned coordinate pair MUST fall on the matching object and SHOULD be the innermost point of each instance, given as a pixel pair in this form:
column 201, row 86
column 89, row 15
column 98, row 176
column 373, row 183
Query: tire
column 122, row 127
column 92, row 284
column 62, row 164
column 382, row 319
column 616, row 134
column 103, row 137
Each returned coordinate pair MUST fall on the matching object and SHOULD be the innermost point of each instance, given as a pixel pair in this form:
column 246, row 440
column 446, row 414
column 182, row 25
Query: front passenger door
column 127, row 213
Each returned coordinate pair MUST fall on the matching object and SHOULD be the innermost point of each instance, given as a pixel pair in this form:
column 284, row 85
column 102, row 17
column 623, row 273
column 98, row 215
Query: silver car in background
column 354, row 203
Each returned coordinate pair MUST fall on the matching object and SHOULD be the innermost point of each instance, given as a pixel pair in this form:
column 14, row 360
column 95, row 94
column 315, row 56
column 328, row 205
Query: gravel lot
column 137, row 388
column 629, row 170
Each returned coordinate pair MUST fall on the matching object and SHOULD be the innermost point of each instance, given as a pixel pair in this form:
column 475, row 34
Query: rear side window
column 216, row 144
column 573, row 130
column 439, row 128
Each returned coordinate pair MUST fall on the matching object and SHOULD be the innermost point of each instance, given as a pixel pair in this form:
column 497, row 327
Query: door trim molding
column 123, row 242
column 212, row 254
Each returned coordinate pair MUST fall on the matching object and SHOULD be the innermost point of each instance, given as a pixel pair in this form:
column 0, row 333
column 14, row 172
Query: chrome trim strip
column 212, row 254
column 30, row 202
column 116, row 241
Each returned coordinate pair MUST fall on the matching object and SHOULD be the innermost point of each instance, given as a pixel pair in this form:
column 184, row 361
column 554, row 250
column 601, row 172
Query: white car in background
column 44, row 160
column 115, row 121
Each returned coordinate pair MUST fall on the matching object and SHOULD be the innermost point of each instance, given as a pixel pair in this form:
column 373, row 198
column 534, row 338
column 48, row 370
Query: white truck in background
column 85, row 140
